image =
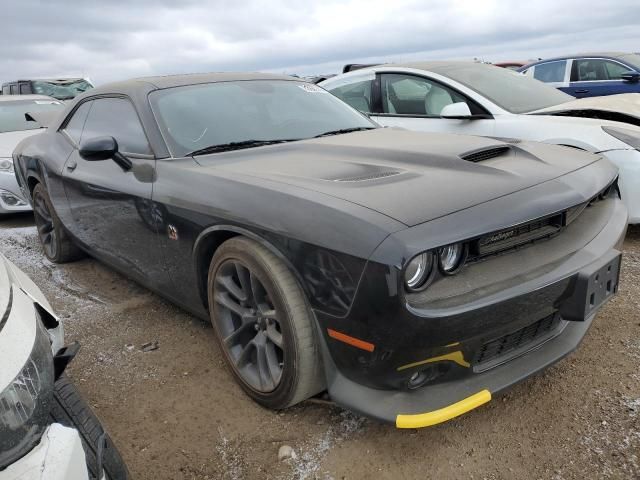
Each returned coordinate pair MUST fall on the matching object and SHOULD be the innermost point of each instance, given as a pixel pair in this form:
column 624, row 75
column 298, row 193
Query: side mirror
column 458, row 110
column 104, row 148
column 630, row 77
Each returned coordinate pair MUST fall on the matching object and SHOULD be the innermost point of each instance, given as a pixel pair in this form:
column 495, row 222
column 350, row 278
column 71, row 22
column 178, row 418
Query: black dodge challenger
column 410, row 275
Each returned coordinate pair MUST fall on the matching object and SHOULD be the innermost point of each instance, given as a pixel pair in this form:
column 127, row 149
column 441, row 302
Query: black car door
column 109, row 206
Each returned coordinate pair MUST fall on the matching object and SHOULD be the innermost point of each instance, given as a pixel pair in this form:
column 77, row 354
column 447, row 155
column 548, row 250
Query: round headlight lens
column 418, row 271
column 451, row 258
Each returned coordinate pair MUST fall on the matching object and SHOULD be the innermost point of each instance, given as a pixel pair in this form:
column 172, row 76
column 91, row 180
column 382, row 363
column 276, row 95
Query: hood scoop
column 370, row 176
column 483, row 154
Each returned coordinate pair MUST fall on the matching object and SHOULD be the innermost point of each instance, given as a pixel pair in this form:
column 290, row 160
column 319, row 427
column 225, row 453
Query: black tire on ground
column 299, row 373
column 70, row 410
column 56, row 243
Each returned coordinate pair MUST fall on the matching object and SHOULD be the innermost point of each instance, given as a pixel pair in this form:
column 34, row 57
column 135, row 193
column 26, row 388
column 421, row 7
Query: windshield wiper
column 343, row 130
column 225, row 147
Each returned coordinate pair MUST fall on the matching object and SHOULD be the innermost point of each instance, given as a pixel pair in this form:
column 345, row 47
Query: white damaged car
column 480, row 99
column 47, row 431
column 18, row 121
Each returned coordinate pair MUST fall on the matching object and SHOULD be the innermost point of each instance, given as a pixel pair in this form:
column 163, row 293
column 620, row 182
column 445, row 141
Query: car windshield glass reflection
column 244, row 114
column 12, row 114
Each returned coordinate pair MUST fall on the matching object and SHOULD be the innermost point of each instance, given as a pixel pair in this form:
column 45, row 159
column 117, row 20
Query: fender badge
column 172, row 232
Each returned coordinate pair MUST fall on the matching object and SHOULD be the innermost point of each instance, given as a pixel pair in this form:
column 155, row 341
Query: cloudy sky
column 116, row 39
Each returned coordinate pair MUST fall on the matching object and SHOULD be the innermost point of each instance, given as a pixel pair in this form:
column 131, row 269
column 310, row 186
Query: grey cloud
column 119, row 39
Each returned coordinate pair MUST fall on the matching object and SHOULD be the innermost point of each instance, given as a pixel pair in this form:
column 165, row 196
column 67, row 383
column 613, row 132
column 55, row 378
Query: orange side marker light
column 354, row 342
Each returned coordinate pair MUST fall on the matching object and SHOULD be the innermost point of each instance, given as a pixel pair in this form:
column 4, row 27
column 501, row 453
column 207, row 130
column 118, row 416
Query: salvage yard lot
column 176, row 413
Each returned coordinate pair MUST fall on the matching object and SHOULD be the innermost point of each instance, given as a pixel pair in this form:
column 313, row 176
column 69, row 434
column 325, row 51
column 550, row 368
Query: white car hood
column 625, row 105
column 9, row 140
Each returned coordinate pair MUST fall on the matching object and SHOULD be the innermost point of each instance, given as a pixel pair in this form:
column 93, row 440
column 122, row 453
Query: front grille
column 528, row 336
column 527, row 233
column 542, row 228
column 485, row 154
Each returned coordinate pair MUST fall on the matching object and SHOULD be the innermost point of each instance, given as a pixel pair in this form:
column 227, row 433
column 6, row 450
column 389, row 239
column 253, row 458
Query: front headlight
column 6, row 165
column 451, row 258
column 625, row 135
column 26, row 402
column 419, row 271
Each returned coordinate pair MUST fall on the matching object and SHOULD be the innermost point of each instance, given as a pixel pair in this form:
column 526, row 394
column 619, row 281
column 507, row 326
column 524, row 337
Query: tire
column 70, row 410
column 276, row 294
column 54, row 238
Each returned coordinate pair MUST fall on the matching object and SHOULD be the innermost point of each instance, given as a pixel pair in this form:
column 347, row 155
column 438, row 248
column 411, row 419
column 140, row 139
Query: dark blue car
column 589, row 75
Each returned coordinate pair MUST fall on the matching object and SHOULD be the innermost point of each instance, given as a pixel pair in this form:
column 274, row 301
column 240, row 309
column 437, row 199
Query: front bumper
column 438, row 403
column 450, row 338
column 59, row 456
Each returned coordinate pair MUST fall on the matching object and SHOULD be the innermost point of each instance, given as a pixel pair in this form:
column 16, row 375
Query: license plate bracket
column 593, row 287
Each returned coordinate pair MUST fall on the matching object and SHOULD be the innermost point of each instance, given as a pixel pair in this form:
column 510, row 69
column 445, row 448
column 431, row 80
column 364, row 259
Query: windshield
column 512, row 91
column 633, row 59
column 12, row 117
column 198, row 116
column 60, row 89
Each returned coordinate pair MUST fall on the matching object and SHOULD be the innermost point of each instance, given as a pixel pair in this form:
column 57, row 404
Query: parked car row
column 411, row 273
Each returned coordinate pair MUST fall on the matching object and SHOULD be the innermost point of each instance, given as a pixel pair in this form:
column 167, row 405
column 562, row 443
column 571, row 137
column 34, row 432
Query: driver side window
column 413, row 95
column 116, row 117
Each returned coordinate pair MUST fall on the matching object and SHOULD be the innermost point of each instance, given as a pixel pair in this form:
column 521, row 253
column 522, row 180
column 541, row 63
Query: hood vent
column 371, row 176
column 485, row 154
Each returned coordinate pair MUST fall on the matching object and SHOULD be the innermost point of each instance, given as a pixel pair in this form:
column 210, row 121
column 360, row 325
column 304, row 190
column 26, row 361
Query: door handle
column 71, row 166
column 582, row 91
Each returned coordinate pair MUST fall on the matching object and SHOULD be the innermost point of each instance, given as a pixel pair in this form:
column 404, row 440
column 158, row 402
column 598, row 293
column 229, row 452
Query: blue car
column 589, row 75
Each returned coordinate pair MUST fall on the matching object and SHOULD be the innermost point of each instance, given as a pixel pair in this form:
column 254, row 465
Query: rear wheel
column 54, row 239
column 263, row 324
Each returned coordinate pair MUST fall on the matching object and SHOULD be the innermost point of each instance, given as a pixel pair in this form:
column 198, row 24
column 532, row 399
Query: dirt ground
column 175, row 412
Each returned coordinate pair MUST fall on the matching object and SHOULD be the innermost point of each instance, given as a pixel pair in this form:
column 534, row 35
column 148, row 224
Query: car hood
column 411, row 177
column 620, row 108
column 9, row 140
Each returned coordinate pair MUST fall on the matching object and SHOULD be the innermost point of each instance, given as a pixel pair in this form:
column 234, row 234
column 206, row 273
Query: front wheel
column 55, row 241
column 263, row 324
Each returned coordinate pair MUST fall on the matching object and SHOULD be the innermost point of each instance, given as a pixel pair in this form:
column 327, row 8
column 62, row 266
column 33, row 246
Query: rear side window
column 5, row 90
column 116, row 117
column 76, row 122
column 551, row 72
column 14, row 89
column 358, row 95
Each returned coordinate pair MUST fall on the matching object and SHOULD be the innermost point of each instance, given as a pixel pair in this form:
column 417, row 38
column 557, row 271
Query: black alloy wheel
column 44, row 223
column 249, row 326
column 263, row 324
